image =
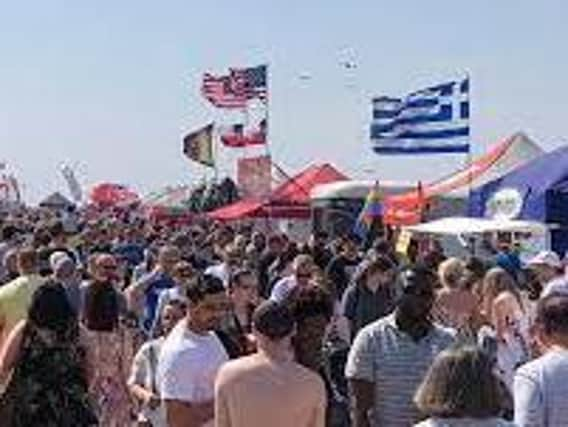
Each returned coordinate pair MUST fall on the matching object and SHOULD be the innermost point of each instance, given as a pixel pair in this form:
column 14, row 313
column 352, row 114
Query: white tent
column 463, row 225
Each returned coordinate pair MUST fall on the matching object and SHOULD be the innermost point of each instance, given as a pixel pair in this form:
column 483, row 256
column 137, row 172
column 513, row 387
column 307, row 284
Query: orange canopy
column 502, row 158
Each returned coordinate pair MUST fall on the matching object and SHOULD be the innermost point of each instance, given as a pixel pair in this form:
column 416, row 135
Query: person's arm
column 163, row 300
column 137, row 378
column 318, row 418
column 529, row 402
column 2, row 327
column 222, row 418
column 89, row 363
column 135, row 292
column 360, row 373
column 185, row 414
column 11, row 351
column 362, row 400
column 349, row 308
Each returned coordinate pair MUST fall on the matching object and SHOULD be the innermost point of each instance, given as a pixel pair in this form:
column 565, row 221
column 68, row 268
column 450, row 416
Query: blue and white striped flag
column 432, row 120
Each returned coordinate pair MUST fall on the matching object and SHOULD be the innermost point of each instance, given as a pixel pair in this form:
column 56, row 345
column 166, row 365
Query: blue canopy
column 537, row 191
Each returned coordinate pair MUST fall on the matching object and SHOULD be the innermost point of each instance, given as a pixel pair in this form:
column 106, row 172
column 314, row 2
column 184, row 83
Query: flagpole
column 215, row 154
column 469, row 156
column 267, row 132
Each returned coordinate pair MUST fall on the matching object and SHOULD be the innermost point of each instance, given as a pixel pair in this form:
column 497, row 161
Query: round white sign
column 504, row 204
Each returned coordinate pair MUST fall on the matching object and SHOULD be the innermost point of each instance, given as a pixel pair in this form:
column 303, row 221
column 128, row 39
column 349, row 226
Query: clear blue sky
column 110, row 86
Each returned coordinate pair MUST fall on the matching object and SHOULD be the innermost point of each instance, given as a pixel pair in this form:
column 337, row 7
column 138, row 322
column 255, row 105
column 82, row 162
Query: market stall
column 538, row 191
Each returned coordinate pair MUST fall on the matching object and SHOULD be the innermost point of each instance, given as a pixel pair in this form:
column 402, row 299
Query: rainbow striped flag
column 371, row 211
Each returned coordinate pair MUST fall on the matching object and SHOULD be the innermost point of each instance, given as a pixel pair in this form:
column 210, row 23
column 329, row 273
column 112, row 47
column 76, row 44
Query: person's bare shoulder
column 307, row 379
column 235, row 369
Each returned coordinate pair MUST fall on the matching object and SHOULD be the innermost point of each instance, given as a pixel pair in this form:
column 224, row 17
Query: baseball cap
column 557, row 286
column 273, row 320
column 548, row 258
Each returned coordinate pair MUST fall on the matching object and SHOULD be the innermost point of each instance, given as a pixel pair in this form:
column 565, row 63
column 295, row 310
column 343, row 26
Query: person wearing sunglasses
column 184, row 276
column 390, row 356
column 103, row 271
column 303, row 268
column 143, row 295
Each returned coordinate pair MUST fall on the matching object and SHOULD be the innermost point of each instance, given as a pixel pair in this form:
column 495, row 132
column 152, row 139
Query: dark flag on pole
column 198, row 146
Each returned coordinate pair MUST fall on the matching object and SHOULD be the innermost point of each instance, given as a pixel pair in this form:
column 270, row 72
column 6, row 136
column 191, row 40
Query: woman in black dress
column 48, row 365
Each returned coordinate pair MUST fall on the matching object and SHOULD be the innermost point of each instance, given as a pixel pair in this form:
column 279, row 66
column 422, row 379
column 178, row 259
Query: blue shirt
column 131, row 252
column 154, row 283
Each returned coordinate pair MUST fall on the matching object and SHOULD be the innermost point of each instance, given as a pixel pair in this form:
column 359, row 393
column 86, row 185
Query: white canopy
column 463, row 225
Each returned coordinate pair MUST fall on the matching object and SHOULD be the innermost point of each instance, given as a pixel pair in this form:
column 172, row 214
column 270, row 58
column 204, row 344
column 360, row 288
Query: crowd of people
column 108, row 319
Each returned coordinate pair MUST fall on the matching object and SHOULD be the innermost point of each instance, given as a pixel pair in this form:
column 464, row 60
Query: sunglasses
column 185, row 273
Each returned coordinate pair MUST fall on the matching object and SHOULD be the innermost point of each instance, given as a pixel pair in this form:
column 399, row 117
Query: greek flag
column 431, row 120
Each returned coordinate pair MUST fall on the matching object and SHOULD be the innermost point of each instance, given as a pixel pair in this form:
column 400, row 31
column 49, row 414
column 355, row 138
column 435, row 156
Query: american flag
column 251, row 82
column 217, row 90
column 235, row 89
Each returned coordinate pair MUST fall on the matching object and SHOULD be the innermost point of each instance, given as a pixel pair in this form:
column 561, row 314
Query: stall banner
column 254, row 175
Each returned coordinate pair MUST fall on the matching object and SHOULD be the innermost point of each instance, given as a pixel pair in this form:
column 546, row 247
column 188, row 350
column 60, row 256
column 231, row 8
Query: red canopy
column 109, row 194
column 297, row 189
column 289, row 200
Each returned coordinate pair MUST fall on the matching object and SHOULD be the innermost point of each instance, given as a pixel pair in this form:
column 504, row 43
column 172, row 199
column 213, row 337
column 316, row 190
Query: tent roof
column 171, row 197
column 532, row 182
column 543, row 173
column 297, row 189
column 240, row 209
column 464, row 225
column 501, row 159
column 258, row 209
column 110, row 194
column 56, row 200
column 289, row 200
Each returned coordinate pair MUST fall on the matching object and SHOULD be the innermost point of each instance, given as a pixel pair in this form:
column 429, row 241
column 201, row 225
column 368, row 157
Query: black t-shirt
column 339, row 272
column 266, row 261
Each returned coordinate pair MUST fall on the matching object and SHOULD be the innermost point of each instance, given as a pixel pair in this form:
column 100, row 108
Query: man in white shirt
column 303, row 270
column 191, row 356
column 184, row 276
column 541, row 386
column 231, row 262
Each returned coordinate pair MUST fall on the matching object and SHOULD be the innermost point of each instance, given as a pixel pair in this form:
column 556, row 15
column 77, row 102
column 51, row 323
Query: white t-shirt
column 558, row 285
column 188, row 365
column 221, row 272
column 282, row 288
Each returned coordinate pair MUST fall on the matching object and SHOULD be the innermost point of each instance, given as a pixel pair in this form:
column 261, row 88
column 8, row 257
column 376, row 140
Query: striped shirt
column 541, row 391
column 396, row 364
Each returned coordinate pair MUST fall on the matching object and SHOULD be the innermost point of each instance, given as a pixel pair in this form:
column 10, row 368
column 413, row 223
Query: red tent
column 289, row 200
column 109, row 194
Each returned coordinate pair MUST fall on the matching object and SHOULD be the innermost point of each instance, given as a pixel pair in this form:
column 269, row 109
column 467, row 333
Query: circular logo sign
column 504, row 204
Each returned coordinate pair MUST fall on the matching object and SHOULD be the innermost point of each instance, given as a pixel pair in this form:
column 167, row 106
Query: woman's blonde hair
column 450, row 272
column 497, row 281
column 460, row 384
